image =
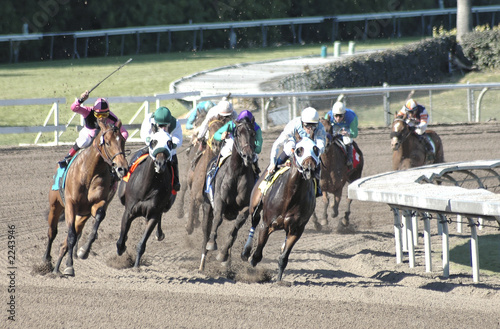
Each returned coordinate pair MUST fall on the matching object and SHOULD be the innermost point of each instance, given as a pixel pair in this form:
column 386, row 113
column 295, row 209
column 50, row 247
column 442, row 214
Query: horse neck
column 92, row 159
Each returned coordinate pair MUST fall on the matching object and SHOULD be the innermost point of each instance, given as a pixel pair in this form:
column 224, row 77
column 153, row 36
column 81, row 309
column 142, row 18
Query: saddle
column 266, row 184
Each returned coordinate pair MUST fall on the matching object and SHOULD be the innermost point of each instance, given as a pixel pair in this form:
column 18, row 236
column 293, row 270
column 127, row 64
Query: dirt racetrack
column 336, row 279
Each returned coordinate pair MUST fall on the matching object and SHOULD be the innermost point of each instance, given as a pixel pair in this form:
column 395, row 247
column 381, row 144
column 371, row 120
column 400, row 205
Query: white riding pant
column 85, row 137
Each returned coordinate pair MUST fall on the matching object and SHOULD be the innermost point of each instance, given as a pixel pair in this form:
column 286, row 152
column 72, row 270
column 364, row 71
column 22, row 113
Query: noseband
column 108, row 159
column 399, row 135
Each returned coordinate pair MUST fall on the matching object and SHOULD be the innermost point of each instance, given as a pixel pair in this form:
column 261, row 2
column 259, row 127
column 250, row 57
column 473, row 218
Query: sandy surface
column 335, row 278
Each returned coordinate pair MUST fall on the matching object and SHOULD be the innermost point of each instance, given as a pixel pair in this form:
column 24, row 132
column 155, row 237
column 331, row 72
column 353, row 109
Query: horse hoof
column 317, row 226
column 161, row 237
column 69, row 271
column 323, row 222
column 211, row 246
column 82, row 254
column 189, row 229
column 222, row 258
column 345, row 222
column 197, row 223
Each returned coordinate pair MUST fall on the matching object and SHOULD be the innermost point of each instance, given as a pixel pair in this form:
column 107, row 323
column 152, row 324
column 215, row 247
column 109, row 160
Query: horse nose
column 121, row 171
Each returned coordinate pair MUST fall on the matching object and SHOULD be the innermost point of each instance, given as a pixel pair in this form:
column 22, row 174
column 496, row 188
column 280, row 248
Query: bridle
column 399, row 135
column 102, row 145
column 238, row 146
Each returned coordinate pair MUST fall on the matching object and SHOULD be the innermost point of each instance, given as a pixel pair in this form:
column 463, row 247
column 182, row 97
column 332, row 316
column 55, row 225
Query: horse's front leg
column 100, row 213
column 345, row 220
column 264, row 232
column 290, row 241
column 337, row 196
column 141, row 247
column 324, row 214
column 233, row 234
column 159, row 232
column 127, row 219
column 70, row 242
column 206, row 227
column 217, row 221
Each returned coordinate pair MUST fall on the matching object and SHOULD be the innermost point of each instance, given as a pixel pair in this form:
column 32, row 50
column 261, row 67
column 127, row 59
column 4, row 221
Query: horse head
column 306, row 157
column 399, row 132
column 111, row 146
column 244, row 140
column 160, row 150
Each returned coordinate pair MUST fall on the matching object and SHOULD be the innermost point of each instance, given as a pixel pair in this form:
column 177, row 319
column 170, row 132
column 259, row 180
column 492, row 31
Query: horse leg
column 217, row 221
column 159, row 232
column 127, row 219
column 283, row 259
column 193, row 212
column 337, row 196
column 141, row 247
column 240, row 220
column 54, row 213
column 206, row 227
column 264, row 233
column 324, row 214
column 345, row 220
column 83, row 252
column 70, row 242
column 62, row 253
column 255, row 213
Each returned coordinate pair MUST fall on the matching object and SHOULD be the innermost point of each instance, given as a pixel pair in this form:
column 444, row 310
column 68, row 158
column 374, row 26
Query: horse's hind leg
column 125, row 227
column 159, row 232
column 141, row 247
column 324, row 214
column 55, row 212
column 255, row 213
column 240, row 220
column 83, row 252
column 345, row 220
column 264, row 233
column 206, row 227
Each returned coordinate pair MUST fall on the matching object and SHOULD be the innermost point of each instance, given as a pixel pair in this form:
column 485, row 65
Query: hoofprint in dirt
column 346, row 278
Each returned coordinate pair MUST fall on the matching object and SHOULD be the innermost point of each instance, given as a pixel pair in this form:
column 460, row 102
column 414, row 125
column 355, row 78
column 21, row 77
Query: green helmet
column 162, row 116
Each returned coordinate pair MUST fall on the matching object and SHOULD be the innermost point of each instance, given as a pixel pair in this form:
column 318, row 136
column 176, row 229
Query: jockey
column 226, row 133
column 307, row 125
column 344, row 123
column 224, row 108
column 201, row 107
column 100, row 111
column 416, row 117
column 163, row 119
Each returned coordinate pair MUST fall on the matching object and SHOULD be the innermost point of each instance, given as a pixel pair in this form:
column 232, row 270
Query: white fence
column 291, row 104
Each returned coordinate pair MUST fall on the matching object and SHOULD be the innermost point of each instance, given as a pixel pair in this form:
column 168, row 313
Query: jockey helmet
column 245, row 114
column 338, row 108
column 162, row 116
column 310, row 115
column 225, row 108
column 101, row 105
column 411, row 105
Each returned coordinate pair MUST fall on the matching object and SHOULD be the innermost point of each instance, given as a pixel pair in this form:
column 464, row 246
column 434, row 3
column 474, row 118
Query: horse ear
column 299, row 151
column 316, row 150
column 118, row 124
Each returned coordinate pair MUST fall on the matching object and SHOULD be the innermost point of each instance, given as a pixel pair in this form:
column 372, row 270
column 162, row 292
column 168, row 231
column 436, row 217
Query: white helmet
column 338, row 108
column 225, row 108
column 411, row 105
column 310, row 115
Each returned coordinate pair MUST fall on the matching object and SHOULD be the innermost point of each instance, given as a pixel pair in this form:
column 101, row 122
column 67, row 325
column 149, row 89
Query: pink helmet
column 101, row 105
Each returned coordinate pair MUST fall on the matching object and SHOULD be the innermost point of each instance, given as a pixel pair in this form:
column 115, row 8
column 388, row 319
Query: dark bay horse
column 148, row 193
column 408, row 151
column 232, row 189
column 286, row 205
column 89, row 188
column 196, row 175
column 335, row 174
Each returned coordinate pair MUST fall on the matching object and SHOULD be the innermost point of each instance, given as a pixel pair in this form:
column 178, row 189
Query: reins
column 403, row 137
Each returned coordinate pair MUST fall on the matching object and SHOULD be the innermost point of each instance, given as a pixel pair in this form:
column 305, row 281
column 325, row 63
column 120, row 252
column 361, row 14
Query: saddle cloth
column 134, row 166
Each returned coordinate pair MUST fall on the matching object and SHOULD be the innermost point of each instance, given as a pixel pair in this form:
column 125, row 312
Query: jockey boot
column 429, row 149
column 64, row 162
column 349, row 155
column 175, row 165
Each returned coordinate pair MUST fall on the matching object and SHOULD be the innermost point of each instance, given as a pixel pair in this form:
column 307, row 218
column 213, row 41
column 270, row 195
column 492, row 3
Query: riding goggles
column 310, row 125
column 101, row 115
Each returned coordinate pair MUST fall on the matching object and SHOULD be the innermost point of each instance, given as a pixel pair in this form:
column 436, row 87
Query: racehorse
column 89, row 188
column 286, row 205
column 147, row 193
column 232, row 189
column 197, row 173
column 408, row 151
column 335, row 174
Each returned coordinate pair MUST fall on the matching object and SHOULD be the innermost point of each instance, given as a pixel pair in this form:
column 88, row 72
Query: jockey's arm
column 146, row 131
column 229, row 126
column 258, row 141
column 177, row 136
column 320, row 139
column 353, row 127
column 191, row 119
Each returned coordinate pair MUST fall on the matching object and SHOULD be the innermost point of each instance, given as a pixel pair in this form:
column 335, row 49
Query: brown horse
column 408, row 151
column 335, row 174
column 232, row 188
column 197, row 173
column 90, row 187
column 147, row 193
column 286, row 205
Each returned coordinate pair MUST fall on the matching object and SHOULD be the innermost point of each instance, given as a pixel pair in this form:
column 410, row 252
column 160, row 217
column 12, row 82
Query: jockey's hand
column 224, row 135
column 194, row 140
column 271, row 168
column 83, row 97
